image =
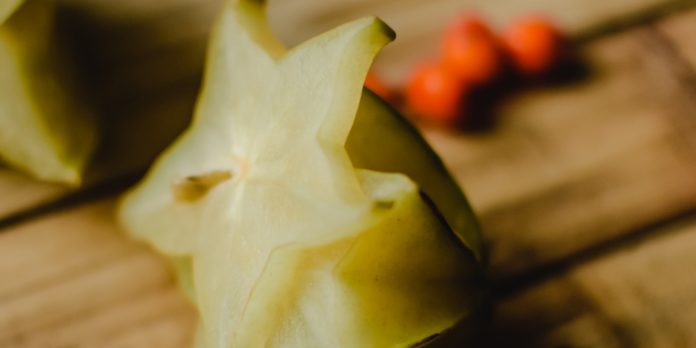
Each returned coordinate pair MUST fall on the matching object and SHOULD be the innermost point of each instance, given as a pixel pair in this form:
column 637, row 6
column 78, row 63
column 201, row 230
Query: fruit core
column 192, row 188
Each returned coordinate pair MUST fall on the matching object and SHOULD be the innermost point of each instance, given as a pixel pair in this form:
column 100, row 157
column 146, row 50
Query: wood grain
column 142, row 65
column 143, row 59
column 641, row 295
column 681, row 29
column 73, row 280
column 418, row 23
column 575, row 166
column 20, row 193
column 589, row 175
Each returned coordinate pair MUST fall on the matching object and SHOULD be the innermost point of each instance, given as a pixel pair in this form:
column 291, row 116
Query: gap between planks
column 668, row 43
column 639, row 295
column 122, row 20
column 58, row 206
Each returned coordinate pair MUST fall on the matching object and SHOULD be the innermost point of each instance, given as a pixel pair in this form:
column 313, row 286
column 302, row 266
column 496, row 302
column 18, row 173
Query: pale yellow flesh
column 294, row 247
column 44, row 129
column 392, row 284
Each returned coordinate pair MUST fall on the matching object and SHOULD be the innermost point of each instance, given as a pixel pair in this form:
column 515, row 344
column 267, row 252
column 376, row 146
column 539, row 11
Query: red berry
column 471, row 51
column 436, row 94
column 534, row 44
column 469, row 25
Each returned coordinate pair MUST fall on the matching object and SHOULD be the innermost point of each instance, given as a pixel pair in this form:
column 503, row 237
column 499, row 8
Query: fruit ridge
column 283, row 241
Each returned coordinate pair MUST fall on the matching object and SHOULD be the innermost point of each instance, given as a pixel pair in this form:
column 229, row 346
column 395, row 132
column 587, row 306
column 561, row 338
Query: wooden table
column 586, row 190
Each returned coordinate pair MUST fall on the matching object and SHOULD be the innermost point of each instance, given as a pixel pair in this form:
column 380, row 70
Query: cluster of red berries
column 472, row 56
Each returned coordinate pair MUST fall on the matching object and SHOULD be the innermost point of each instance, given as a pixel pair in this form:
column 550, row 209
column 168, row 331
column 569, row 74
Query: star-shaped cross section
column 289, row 244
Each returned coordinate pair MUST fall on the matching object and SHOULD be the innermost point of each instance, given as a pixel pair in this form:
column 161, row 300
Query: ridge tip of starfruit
column 377, row 26
column 73, row 179
column 384, row 28
column 69, row 177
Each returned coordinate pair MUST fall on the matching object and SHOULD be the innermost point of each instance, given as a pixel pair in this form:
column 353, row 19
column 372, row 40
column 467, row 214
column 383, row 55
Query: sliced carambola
column 284, row 241
column 383, row 140
column 45, row 128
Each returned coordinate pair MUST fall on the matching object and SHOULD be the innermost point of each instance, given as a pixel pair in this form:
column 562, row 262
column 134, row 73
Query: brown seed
column 193, row 188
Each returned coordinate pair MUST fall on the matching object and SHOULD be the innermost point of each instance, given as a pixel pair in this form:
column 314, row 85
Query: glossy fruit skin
column 470, row 25
column 46, row 128
column 383, row 140
column 7, row 7
column 471, row 50
column 436, row 94
column 230, row 284
column 534, row 45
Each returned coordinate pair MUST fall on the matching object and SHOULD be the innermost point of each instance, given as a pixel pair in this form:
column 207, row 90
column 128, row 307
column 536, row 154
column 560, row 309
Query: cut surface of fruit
column 279, row 239
column 44, row 129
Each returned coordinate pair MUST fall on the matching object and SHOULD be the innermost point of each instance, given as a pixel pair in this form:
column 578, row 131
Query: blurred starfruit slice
column 279, row 239
column 45, row 129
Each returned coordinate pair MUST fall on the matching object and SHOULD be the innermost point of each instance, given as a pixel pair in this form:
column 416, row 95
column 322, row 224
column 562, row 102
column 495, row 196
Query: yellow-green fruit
column 282, row 237
column 383, row 140
column 7, row 7
column 44, row 129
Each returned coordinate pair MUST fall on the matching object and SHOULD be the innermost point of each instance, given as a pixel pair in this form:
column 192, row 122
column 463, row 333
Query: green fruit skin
column 7, row 7
column 45, row 129
column 382, row 140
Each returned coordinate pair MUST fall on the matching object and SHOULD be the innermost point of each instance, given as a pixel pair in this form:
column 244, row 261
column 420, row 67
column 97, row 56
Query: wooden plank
column 146, row 61
column 78, row 282
column 681, row 29
column 565, row 170
column 155, row 319
column 542, row 192
column 419, row 23
column 20, row 193
column 146, row 55
column 639, row 296
column 575, row 166
column 72, row 279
